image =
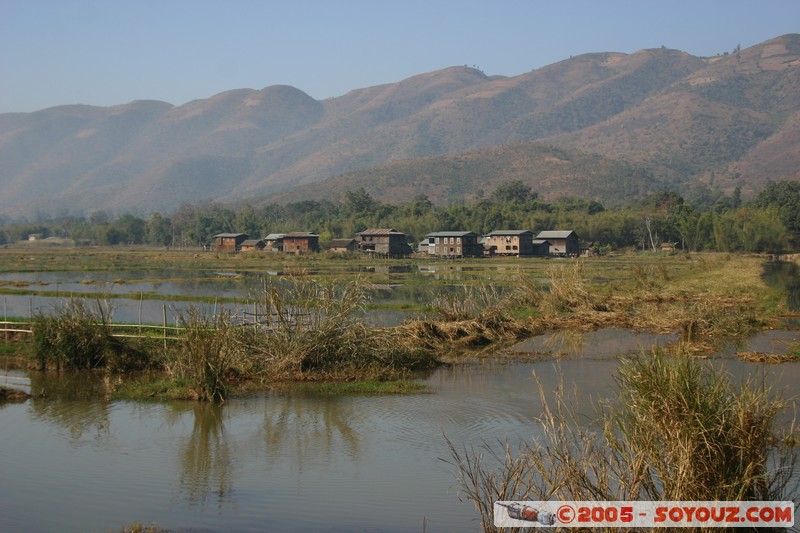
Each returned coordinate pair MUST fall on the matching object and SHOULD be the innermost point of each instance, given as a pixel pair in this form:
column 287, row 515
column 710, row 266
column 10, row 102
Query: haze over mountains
column 599, row 126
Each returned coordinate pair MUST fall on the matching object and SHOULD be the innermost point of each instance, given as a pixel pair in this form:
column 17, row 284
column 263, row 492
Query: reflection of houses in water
column 446, row 272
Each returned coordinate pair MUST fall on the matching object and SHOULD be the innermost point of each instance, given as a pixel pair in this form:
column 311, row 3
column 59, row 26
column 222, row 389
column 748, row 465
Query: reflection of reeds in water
column 206, row 458
column 678, row 431
column 71, row 400
column 309, row 430
column 566, row 341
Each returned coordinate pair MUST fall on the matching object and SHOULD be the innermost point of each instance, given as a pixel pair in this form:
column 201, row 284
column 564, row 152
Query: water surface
column 280, row 461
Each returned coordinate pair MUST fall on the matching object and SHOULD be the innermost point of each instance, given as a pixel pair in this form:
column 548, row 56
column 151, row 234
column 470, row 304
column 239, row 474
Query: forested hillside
column 657, row 119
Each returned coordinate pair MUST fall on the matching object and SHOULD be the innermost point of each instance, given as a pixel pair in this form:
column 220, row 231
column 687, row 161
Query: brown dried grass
column 678, row 430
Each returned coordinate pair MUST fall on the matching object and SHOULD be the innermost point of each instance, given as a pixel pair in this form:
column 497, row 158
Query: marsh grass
column 712, row 318
column 160, row 388
column 301, row 329
column 206, row 353
column 678, row 430
column 309, row 325
column 467, row 302
column 366, row 387
column 77, row 337
column 568, row 292
column 143, row 528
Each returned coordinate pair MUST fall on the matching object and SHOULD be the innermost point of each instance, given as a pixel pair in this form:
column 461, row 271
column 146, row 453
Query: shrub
column 205, row 353
column 679, row 431
column 74, row 337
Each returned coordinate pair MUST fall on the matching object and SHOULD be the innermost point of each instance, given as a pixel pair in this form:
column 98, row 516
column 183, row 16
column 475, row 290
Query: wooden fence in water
column 164, row 331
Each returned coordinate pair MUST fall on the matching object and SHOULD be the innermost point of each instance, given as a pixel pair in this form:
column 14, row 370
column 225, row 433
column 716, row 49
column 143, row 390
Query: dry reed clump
column 467, row 302
column 463, row 334
column 75, row 337
column 714, row 319
column 649, row 278
column 679, row 430
column 770, row 358
column 314, row 326
column 206, row 354
column 471, row 317
column 567, row 292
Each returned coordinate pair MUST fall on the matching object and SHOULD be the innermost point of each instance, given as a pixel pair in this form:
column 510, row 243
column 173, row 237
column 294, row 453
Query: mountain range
column 600, row 126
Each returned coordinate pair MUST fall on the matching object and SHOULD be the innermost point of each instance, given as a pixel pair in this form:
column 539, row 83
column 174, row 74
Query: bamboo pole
column 164, row 309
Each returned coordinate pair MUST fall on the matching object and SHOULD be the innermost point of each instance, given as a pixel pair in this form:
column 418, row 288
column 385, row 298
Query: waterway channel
column 293, row 460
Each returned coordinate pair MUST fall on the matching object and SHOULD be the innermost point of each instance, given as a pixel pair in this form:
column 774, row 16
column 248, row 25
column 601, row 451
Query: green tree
column 359, row 201
column 130, row 229
column 514, row 191
column 158, row 230
column 785, row 196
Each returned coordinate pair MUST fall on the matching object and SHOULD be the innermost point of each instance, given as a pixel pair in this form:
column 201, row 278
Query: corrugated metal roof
column 554, row 234
column 296, row 234
column 274, row 236
column 380, row 231
column 451, row 234
column 340, row 243
column 502, row 232
column 229, row 235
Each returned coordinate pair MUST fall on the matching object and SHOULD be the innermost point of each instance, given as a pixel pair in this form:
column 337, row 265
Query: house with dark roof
column 251, row 245
column 561, row 242
column 274, row 242
column 383, row 241
column 540, row 247
column 229, row 242
column 454, row 244
column 510, row 242
column 345, row 246
column 300, row 242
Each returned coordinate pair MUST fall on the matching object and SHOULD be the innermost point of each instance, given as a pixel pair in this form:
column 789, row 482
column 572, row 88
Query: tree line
column 768, row 223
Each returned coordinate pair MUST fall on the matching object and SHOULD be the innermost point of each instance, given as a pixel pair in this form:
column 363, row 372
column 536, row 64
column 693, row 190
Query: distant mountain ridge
column 656, row 118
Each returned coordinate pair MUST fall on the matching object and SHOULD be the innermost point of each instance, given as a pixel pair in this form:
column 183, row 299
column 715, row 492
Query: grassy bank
column 708, row 300
column 300, row 330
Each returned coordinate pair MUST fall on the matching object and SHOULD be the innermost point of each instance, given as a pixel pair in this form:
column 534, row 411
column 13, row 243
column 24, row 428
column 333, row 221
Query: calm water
column 288, row 461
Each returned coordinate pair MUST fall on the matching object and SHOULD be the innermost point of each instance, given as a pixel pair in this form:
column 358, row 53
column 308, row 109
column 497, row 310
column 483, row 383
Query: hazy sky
column 107, row 52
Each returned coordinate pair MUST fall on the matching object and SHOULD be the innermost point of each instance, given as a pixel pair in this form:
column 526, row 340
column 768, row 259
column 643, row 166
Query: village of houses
column 387, row 242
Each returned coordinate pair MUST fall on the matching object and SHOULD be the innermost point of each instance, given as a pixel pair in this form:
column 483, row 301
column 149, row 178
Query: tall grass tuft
column 75, row 337
column 679, row 430
column 316, row 326
column 567, row 292
column 467, row 302
column 709, row 318
column 207, row 351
